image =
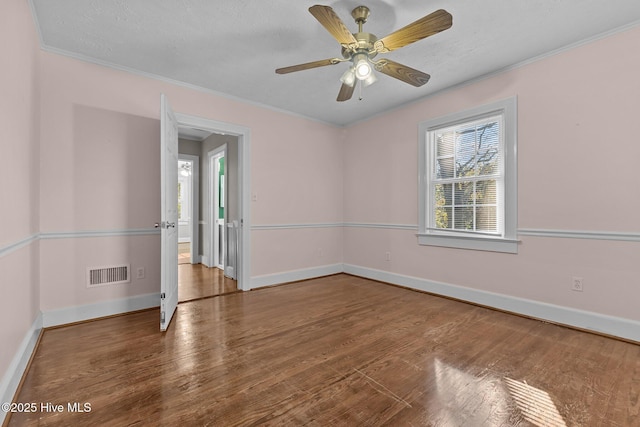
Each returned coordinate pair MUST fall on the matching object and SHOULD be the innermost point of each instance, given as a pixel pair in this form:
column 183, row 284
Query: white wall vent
column 110, row 275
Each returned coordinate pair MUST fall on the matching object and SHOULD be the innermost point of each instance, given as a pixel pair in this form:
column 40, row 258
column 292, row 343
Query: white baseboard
column 230, row 272
column 67, row 315
column 204, row 260
column 610, row 325
column 295, row 275
column 13, row 375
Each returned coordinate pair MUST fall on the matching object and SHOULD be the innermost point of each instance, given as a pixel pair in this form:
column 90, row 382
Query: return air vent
column 111, row 275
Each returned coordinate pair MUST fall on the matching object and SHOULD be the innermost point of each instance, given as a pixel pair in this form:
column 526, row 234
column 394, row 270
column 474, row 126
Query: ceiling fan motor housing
column 360, row 14
column 366, row 42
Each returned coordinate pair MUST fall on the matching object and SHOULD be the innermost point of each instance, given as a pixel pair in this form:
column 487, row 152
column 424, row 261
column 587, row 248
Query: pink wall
column 578, row 153
column 18, row 177
column 19, row 130
column 100, row 171
column 295, row 249
column 64, row 262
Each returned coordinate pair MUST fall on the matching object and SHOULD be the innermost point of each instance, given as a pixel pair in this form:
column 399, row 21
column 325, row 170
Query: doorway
column 208, row 277
column 239, row 204
column 188, row 208
column 170, row 125
column 204, row 276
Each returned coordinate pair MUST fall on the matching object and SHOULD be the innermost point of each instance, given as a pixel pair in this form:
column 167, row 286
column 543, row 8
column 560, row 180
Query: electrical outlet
column 387, row 256
column 140, row 273
column 576, row 284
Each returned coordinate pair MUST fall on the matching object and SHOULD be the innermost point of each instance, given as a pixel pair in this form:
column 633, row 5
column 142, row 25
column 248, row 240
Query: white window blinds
column 467, row 177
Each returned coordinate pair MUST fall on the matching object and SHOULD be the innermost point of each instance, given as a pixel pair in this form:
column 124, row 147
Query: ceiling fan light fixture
column 362, row 66
column 349, row 77
column 369, row 80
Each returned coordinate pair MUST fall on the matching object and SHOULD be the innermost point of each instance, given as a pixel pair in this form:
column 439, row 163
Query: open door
column 217, row 166
column 169, row 213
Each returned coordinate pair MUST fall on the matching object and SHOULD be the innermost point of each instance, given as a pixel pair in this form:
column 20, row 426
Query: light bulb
column 363, row 69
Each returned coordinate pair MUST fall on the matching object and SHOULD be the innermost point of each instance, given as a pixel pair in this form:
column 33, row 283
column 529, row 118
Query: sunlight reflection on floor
column 464, row 398
column 535, row 405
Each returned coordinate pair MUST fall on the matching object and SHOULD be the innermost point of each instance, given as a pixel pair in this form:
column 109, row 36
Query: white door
column 217, row 205
column 169, row 214
column 220, row 244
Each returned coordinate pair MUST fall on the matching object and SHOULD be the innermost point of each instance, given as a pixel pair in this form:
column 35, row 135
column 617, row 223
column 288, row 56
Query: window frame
column 507, row 242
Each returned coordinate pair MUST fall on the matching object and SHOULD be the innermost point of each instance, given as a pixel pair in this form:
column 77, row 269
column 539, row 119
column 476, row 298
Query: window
column 468, row 179
column 183, row 199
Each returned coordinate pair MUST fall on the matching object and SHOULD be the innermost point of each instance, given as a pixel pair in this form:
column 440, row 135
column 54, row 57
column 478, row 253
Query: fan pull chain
column 360, row 91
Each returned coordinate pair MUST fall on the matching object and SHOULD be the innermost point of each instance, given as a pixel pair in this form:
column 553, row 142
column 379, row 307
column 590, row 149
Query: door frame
column 214, row 196
column 194, row 205
column 243, row 135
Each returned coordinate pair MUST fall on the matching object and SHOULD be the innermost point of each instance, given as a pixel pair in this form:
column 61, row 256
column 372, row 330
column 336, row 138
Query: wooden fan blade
column 402, row 72
column 431, row 24
column 332, row 22
column 308, row 65
column 346, row 92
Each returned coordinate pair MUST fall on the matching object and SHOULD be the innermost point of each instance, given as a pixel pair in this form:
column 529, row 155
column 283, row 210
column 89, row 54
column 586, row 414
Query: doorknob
column 165, row 224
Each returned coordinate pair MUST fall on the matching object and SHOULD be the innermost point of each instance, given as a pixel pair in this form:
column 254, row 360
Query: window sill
column 491, row 244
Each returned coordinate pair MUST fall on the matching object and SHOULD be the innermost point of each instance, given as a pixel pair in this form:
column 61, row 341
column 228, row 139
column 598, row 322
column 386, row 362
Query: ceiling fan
column 361, row 48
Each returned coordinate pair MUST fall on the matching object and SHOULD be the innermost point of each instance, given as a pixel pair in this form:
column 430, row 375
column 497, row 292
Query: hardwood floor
column 333, row 351
column 184, row 253
column 197, row 281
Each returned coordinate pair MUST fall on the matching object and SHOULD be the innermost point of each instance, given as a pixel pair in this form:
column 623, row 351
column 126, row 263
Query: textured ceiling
column 233, row 47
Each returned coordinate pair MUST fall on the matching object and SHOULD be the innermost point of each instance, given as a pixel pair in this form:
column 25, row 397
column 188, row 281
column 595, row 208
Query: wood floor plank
column 338, row 351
